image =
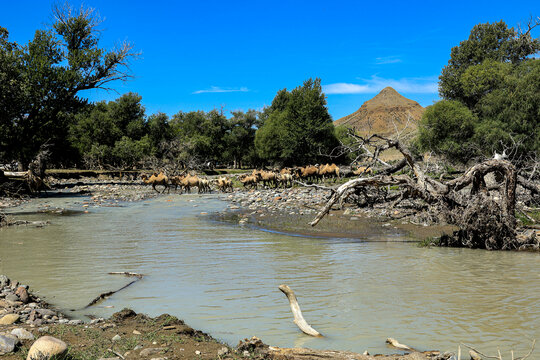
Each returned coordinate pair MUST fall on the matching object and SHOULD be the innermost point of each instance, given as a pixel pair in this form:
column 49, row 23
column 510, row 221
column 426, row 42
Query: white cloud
column 217, row 89
column 426, row 85
column 387, row 60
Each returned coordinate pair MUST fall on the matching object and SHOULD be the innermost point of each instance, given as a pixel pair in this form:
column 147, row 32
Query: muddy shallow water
column 222, row 278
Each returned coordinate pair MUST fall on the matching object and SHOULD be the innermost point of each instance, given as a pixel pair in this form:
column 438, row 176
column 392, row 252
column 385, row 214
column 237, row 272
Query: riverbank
column 24, row 319
column 281, row 210
column 290, row 210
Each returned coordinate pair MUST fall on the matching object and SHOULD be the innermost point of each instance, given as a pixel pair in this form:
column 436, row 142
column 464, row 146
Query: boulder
column 47, row 347
column 9, row 319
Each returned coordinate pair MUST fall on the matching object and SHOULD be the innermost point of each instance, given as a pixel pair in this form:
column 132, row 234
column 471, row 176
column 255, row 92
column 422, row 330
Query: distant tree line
column 41, row 107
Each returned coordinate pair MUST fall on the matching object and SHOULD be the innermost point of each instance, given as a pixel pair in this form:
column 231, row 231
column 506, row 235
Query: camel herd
column 267, row 178
column 186, row 182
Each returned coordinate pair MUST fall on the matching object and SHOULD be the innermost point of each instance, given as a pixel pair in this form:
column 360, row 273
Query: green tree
column 201, row 136
column 495, row 42
column 239, row 138
column 45, row 77
column 105, row 133
column 446, row 128
column 297, row 128
column 490, row 90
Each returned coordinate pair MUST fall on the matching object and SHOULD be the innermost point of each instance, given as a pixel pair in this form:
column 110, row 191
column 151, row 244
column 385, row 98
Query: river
column 223, row 278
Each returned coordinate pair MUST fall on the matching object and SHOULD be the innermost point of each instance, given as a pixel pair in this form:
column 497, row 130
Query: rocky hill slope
column 383, row 113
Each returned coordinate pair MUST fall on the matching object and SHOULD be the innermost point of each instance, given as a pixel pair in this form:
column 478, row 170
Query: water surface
column 223, row 278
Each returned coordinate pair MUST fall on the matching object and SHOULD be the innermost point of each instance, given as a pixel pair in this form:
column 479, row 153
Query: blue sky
column 203, row 55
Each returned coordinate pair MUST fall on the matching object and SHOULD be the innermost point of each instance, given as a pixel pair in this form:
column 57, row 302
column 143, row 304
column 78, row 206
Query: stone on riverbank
column 22, row 334
column 47, row 347
column 9, row 319
column 7, row 344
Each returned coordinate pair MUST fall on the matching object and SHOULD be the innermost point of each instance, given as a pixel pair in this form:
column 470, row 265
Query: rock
column 46, row 312
column 150, row 351
column 22, row 334
column 4, row 281
column 223, row 351
column 116, row 338
column 47, row 347
column 22, row 293
column 43, row 329
column 246, row 353
column 4, row 304
column 72, row 322
column 7, row 344
column 95, row 321
column 9, row 319
column 135, row 332
column 12, row 297
column 197, row 352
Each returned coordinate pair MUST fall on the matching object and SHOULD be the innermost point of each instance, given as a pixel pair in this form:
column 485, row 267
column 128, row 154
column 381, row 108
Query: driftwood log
column 107, row 294
column 298, row 317
column 311, row 354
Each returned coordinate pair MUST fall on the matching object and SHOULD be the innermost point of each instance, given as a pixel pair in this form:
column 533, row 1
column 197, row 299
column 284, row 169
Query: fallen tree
column 485, row 215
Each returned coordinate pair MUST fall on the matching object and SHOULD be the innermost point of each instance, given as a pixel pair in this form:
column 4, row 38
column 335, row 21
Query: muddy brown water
column 222, row 278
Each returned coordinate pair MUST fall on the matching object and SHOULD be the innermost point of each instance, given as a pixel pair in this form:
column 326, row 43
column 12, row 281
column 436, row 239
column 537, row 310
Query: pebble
column 197, row 352
column 116, row 338
column 150, row 351
column 223, row 351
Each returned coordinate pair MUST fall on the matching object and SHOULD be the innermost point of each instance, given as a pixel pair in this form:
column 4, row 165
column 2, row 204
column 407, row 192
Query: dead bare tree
column 485, row 216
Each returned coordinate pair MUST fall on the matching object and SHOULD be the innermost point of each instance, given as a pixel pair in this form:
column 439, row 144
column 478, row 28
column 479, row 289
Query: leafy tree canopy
column 41, row 81
column 297, row 128
column 490, row 90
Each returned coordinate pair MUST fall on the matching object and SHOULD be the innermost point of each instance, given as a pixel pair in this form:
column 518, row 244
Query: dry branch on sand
column 484, row 215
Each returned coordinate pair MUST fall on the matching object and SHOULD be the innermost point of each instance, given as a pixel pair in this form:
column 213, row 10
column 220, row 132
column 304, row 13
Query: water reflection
column 223, row 279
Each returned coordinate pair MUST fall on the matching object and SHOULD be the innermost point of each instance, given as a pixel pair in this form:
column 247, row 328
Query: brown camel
column 157, row 179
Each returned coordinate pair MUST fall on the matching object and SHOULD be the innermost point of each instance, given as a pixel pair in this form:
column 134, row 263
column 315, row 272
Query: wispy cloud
column 217, row 89
column 387, row 60
column 427, row 85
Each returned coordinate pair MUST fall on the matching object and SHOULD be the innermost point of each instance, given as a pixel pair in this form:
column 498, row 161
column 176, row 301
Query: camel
column 363, row 170
column 224, row 184
column 204, row 185
column 329, row 170
column 309, row 172
column 157, row 179
column 248, row 180
column 267, row 177
column 285, row 180
column 188, row 181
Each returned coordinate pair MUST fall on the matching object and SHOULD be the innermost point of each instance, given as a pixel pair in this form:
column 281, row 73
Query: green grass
column 534, row 215
column 430, row 241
